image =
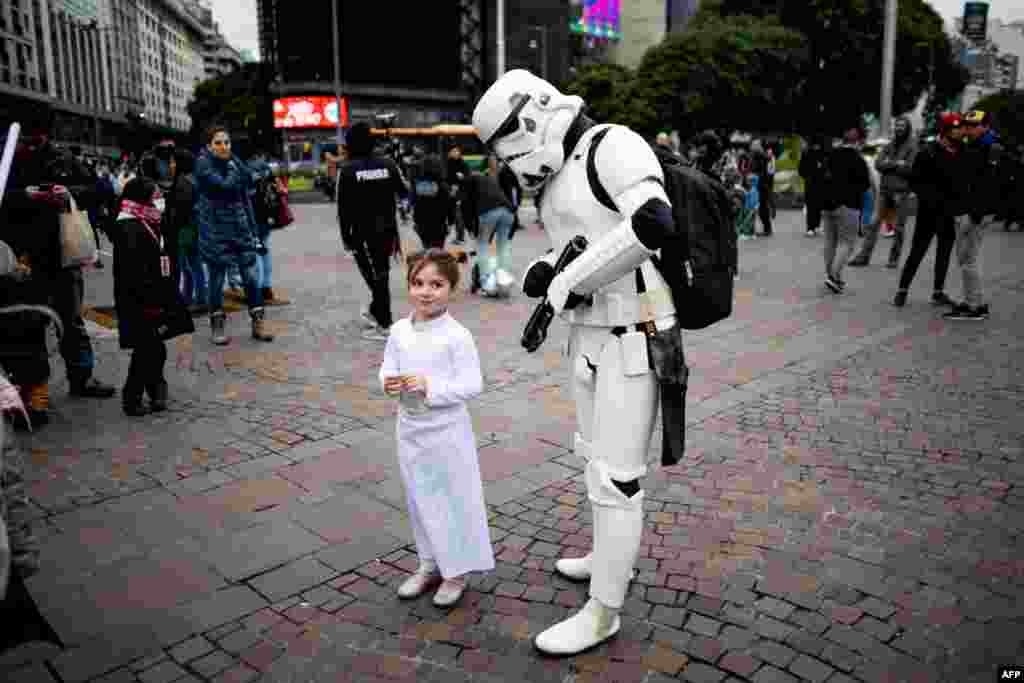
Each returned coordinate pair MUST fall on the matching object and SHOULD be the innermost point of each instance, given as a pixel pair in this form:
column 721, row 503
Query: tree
column 609, row 93
column 845, row 37
column 1007, row 109
column 735, row 72
column 241, row 101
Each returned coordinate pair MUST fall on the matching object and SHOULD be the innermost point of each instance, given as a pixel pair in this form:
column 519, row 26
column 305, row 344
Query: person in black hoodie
column 812, row 170
column 842, row 200
column 430, row 193
column 939, row 178
column 368, row 187
column 144, row 295
column 458, row 173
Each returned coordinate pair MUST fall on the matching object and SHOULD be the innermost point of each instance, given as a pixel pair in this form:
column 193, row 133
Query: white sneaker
column 450, row 592
column 419, row 583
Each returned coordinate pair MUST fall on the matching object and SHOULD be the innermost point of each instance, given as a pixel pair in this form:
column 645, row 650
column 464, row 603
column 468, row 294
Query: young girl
column 431, row 365
column 145, row 296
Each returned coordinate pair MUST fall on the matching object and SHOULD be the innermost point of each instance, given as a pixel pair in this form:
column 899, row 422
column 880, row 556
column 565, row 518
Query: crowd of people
column 962, row 182
column 177, row 223
column 445, row 196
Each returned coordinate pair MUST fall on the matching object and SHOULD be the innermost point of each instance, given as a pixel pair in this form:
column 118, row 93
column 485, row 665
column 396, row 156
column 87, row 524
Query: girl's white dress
column 436, row 447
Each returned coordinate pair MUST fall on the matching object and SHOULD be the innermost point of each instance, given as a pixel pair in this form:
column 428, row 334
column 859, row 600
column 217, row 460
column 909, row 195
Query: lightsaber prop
column 8, row 157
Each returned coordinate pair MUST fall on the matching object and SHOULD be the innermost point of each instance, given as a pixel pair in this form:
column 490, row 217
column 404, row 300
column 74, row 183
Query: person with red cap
column 982, row 155
column 939, row 180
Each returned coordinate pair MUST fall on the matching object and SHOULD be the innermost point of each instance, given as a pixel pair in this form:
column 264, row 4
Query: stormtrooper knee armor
column 544, row 138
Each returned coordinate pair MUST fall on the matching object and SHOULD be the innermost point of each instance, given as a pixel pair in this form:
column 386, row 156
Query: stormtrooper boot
column 617, row 534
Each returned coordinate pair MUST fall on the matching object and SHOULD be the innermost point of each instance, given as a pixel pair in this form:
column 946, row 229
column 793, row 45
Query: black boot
column 90, row 387
column 158, row 397
column 133, row 405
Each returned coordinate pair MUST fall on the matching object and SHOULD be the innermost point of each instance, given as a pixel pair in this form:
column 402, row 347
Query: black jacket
column 940, row 179
column 430, row 190
column 367, row 190
column 483, row 193
column 985, row 159
column 812, row 168
column 847, row 179
column 138, row 283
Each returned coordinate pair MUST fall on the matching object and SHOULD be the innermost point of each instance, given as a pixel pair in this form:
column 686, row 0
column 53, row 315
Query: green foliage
column 848, row 36
column 1007, row 110
column 241, row 101
column 738, row 72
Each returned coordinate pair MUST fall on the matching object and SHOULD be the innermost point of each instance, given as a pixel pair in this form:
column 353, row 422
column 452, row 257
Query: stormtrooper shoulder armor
column 628, row 170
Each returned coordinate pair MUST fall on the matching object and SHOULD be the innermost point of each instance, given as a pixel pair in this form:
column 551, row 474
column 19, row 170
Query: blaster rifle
column 536, row 330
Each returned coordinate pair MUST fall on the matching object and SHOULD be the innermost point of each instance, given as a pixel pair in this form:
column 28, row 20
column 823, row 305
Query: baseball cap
column 977, row 117
column 950, row 119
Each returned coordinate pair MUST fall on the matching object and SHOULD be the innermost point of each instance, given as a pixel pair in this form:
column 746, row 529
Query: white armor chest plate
column 569, row 208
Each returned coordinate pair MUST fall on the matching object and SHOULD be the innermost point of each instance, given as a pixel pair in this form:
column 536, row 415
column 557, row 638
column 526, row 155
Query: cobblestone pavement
column 850, row 507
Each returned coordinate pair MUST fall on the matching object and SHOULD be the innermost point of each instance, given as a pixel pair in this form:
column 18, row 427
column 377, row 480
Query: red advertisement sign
column 314, row 111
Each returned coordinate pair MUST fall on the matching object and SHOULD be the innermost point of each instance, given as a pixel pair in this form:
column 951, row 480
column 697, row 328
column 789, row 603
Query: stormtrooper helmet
column 523, row 120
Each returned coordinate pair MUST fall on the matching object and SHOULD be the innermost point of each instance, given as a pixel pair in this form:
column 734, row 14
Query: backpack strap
column 596, row 187
column 600, row 193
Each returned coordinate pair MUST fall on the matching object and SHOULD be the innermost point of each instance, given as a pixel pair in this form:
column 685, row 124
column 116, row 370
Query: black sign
column 975, row 21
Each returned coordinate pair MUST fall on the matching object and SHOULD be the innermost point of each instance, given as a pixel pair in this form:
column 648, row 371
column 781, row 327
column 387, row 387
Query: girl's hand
column 416, row 383
column 393, row 385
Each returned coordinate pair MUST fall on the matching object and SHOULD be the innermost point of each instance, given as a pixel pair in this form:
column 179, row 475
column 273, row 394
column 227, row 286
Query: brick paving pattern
column 849, row 507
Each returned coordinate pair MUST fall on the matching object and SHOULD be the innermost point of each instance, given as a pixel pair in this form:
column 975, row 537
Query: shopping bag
column 77, row 242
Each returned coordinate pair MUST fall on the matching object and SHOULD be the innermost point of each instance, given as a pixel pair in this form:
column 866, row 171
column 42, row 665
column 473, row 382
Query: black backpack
column 267, row 202
column 699, row 264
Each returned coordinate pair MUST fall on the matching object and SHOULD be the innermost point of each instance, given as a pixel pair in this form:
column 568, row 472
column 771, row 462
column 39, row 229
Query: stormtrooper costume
column 544, row 138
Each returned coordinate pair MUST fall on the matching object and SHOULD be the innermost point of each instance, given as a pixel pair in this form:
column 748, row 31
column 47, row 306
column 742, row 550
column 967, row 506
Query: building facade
column 95, row 73
column 645, row 23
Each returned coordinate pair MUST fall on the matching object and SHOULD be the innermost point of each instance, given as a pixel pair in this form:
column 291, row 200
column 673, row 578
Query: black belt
column 646, row 328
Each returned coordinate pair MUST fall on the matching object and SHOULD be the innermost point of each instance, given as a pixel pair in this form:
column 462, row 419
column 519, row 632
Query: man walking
column 842, row 203
column 458, row 173
column 813, row 170
column 982, row 152
column 368, row 188
column 763, row 164
column 895, row 163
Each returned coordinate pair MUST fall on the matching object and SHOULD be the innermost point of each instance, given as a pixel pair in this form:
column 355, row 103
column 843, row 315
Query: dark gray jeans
column 902, row 202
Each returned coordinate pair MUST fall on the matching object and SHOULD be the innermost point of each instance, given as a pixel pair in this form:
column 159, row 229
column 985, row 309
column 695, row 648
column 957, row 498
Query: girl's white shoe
column 416, row 585
column 449, row 592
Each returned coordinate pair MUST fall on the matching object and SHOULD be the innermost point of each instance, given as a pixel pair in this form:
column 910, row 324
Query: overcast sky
column 237, row 18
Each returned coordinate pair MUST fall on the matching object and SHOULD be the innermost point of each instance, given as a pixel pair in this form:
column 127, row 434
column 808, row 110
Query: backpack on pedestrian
column 700, row 262
column 267, row 202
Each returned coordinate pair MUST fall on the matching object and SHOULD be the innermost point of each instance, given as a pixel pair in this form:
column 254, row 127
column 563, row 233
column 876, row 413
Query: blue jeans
column 499, row 223
column 266, row 269
column 250, row 278
column 194, row 278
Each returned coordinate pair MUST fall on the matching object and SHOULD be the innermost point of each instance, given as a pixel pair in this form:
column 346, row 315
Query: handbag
column 77, row 240
column 174, row 321
column 284, row 216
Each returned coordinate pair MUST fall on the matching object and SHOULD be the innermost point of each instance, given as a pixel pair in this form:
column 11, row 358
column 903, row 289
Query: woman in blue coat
column 227, row 230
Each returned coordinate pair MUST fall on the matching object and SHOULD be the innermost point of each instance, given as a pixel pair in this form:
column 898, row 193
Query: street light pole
column 337, row 67
column 501, row 38
column 888, row 66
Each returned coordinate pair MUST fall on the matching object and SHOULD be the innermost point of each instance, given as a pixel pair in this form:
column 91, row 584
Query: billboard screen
column 975, row 21
column 316, row 111
column 598, row 18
